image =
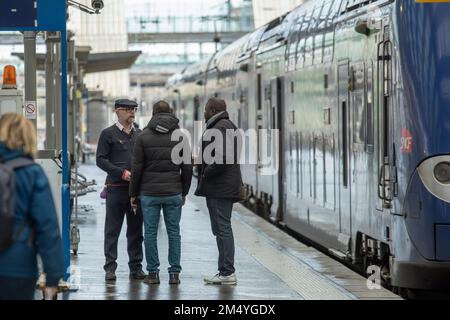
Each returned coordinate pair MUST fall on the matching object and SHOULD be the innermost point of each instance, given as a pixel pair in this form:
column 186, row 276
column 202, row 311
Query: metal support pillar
column 57, row 96
column 71, row 101
column 30, row 68
column 49, row 96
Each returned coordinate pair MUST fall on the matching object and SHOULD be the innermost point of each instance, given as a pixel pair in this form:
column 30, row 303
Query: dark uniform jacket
column 153, row 171
column 114, row 153
column 220, row 180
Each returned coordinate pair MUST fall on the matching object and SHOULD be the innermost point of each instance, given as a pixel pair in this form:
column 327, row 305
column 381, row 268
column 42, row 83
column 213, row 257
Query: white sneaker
column 218, row 279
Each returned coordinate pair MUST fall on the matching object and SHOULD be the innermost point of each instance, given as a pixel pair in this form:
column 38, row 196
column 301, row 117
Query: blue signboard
column 33, row 15
column 21, row 13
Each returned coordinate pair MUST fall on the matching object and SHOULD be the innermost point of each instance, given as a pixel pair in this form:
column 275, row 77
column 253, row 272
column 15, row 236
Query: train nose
column 427, row 208
column 442, row 236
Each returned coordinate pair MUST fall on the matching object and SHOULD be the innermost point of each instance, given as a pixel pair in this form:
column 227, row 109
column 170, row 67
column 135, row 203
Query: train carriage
column 359, row 91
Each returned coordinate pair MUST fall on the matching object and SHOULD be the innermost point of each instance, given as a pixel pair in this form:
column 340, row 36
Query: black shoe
column 110, row 276
column 138, row 275
column 152, row 278
column 174, row 278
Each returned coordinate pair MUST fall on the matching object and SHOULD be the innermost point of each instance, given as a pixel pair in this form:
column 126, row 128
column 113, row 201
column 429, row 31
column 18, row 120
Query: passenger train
column 360, row 91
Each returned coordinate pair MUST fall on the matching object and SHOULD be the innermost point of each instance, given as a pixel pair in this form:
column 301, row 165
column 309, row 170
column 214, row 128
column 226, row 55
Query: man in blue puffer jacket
column 41, row 235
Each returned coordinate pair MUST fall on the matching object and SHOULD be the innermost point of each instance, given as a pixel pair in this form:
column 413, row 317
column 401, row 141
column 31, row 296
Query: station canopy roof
column 95, row 62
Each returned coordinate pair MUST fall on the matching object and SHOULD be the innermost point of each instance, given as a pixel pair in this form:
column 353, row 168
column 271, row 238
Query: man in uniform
column 114, row 153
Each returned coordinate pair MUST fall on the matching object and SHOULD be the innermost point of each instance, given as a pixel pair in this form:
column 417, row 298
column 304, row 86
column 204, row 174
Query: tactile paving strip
column 299, row 276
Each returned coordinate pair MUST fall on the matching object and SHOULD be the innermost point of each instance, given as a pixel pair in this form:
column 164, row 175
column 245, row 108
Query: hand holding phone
column 134, row 204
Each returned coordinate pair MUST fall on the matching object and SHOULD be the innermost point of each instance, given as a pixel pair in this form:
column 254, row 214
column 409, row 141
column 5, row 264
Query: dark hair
column 218, row 105
column 161, row 107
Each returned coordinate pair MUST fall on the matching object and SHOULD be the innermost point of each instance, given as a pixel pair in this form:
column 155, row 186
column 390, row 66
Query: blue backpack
column 8, row 200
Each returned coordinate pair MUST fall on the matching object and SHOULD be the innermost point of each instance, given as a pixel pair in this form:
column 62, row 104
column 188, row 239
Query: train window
column 355, row 4
column 292, row 40
column 258, row 91
column 327, row 115
column 305, row 23
column 333, row 12
column 292, row 87
column 309, row 51
column 258, row 146
column 328, row 47
column 239, row 118
column 242, row 97
column 359, row 118
column 298, row 27
column 301, row 53
column 318, row 15
column 298, row 163
column 292, row 117
column 357, row 77
column 314, row 18
column 197, row 108
column 291, row 58
column 370, row 126
column 358, row 104
column 290, row 147
column 324, row 14
column 344, row 145
column 182, row 114
column 267, row 93
column 174, row 105
column 318, row 48
column 344, row 6
column 274, row 118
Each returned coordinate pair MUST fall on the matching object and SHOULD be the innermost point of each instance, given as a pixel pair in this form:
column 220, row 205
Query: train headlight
column 442, row 172
column 435, row 175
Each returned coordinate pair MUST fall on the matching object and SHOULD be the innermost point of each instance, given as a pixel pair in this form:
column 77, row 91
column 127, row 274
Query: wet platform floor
column 270, row 265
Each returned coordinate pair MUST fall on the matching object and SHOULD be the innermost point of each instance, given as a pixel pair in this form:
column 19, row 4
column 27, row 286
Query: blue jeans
column 220, row 214
column 151, row 209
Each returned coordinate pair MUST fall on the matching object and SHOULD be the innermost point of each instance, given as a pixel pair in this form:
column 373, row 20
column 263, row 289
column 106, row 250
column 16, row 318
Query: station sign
column 31, row 110
column 18, row 14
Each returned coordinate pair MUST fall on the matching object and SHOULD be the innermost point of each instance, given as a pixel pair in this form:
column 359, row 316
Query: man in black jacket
column 114, row 152
column 220, row 182
column 160, row 183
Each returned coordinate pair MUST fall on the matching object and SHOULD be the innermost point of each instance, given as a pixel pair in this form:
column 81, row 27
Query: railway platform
column 270, row 264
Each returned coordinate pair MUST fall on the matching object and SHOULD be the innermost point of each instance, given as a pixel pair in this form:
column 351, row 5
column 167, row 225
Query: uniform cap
column 125, row 103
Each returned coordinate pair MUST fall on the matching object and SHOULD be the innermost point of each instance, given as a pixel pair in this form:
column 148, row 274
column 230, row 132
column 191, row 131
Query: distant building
column 105, row 32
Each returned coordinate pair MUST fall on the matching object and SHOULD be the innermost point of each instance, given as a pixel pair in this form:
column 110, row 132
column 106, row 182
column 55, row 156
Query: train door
column 266, row 159
column 276, row 121
column 345, row 128
column 360, row 175
column 258, row 126
column 243, row 108
column 198, row 115
column 243, row 124
column 387, row 170
column 197, row 126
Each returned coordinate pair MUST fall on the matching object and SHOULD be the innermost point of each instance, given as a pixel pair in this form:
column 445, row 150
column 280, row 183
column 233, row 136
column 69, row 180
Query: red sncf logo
column 406, row 141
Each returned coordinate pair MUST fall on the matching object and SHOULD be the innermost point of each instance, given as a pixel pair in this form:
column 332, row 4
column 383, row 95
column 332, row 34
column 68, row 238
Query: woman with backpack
column 28, row 220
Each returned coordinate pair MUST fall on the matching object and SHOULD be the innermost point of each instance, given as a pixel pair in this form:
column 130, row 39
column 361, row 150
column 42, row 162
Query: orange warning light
column 9, row 77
